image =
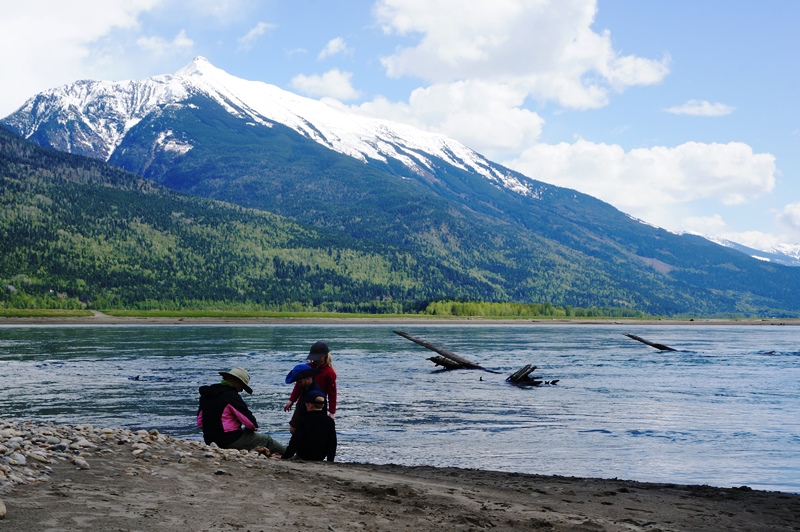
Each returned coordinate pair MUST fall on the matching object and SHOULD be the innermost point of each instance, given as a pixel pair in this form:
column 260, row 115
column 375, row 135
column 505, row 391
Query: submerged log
column 462, row 362
column 521, row 374
column 529, row 382
column 522, row 377
column 661, row 347
column 446, row 363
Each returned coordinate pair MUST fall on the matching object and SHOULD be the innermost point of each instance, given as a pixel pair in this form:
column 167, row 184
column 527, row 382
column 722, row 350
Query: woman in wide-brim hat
column 238, row 376
column 225, row 419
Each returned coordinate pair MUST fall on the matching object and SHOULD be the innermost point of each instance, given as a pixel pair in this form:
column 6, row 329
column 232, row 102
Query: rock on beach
column 28, row 450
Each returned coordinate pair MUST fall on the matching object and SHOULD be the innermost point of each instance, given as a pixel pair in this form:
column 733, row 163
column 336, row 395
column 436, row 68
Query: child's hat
column 300, row 371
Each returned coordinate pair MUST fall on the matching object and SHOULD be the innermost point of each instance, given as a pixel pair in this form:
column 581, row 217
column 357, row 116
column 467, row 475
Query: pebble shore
column 27, row 450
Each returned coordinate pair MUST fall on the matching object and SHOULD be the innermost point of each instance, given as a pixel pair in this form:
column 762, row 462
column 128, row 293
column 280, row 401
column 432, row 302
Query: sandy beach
column 116, row 479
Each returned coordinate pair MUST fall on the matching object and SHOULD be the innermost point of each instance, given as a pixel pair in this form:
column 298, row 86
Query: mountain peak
column 198, row 66
column 108, row 110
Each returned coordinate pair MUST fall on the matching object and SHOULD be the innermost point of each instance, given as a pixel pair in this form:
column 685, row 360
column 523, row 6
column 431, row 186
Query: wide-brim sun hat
column 300, row 371
column 240, row 374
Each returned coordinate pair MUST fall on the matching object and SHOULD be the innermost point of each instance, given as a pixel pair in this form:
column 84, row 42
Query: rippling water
column 721, row 411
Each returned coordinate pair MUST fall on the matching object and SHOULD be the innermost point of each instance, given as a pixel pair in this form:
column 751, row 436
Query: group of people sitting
column 227, row 421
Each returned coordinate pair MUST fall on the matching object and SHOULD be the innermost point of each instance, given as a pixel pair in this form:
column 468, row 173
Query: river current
column 722, row 410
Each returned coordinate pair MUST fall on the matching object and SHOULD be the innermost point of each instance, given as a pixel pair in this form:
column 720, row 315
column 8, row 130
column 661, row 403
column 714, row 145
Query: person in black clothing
column 314, row 437
column 225, row 419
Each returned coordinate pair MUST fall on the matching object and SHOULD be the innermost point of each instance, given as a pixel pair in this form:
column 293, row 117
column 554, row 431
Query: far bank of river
column 100, row 318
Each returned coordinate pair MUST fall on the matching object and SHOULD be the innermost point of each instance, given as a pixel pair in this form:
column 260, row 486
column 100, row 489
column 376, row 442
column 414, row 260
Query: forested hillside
column 557, row 246
column 76, row 231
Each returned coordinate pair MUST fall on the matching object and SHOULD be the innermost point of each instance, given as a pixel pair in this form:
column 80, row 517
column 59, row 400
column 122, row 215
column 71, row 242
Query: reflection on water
column 720, row 411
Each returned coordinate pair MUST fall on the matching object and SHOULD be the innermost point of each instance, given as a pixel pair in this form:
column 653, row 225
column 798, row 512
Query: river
column 722, row 410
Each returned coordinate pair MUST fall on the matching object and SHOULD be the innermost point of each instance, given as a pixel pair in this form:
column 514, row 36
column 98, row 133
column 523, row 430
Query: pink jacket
column 232, row 420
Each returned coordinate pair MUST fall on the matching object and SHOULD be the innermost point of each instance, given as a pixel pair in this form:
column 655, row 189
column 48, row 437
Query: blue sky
column 684, row 114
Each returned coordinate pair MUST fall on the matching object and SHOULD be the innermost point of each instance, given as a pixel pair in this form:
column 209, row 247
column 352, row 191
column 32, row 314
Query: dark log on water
column 522, row 377
column 446, row 363
column 463, row 362
column 521, row 374
column 529, row 382
column 661, row 347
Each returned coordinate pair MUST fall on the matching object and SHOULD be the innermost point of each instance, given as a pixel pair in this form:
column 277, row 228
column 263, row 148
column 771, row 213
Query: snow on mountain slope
column 92, row 118
column 786, row 254
column 104, row 111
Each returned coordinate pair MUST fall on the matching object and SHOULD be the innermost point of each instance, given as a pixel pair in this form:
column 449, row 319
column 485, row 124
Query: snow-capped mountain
column 419, row 198
column 786, row 254
column 93, row 117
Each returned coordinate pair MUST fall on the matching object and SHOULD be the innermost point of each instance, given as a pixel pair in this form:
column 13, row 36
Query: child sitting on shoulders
column 319, row 358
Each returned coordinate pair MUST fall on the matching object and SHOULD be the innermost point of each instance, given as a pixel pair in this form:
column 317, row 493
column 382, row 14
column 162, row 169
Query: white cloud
column 706, row 225
column 701, row 108
column 248, row 40
column 790, row 216
column 485, row 116
column 334, row 46
column 756, row 240
column 546, row 48
column 332, row 84
column 715, row 228
column 59, row 47
column 161, row 47
column 484, row 61
column 655, row 184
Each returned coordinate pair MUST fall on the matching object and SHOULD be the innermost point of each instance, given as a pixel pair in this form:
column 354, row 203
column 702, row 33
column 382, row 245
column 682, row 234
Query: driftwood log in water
column 446, row 363
column 522, row 377
column 522, row 374
column 456, row 362
column 449, row 360
column 661, row 347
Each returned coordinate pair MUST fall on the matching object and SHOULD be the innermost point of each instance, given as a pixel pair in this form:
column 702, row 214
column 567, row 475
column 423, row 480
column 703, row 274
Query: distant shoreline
column 105, row 319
